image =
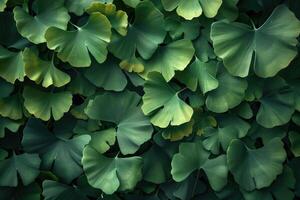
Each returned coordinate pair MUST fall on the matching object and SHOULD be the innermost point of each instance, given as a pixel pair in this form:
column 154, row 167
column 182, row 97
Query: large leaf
column 111, row 174
column 185, row 162
column 74, row 46
column 11, row 65
column 162, row 103
column 143, row 36
column 61, row 154
column 133, row 128
column 255, row 168
column 193, row 8
column 8, row 124
column 43, row 104
column 46, row 15
column 44, row 72
column 26, row 166
column 239, row 45
column 12, row 107
column 164, row 61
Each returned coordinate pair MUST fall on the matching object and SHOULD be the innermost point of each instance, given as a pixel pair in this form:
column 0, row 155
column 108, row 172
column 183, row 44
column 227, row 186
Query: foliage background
column 161, row 99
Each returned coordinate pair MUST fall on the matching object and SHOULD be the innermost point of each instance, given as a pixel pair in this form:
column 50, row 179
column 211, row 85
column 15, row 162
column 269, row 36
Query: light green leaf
column 133, row 128
column 111, row 174
column 239, row 45
column 2, row 5
column 41, row 71
column 107, row 75
column 143, row 36
column 26, row 166
column 60, row 154
column 102, row 140
column 255, row 168
column 11, row 65
column 47, row 15
column 185, row 162
column 43, row 105
column 117, row 18
column 168, row 59
column 200, row 74
column 175, row 133
column 162, row 103
column 74, row 46
column 228, row 95
column 193, row 8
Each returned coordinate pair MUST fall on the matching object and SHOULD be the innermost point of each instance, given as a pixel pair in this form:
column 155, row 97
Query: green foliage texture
column 149, row 99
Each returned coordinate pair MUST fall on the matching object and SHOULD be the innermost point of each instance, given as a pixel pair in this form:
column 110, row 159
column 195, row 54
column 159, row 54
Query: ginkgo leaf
column 79, row 6
column 61, row 154
column 193, row 8
column 9, row 124
column 107, row 75
column 230, row 93
column 12, row 107
column 123, row 109
column 2, row 5
column 111, row 174
column 26, row 166
column 185, row 162
column 47, row 15
column 277, row 103
column 175, row 133
column 200, row 74
column 162, row 103
column 229, row 128
column 43, row 104
column 117, row 18
column 143, row 36
column 11, row 65
column 43, row 72
column 295, row 143
column 168, row 59
column 74, row 46
column 255, row 168
column 132, row 3
column 239, row 45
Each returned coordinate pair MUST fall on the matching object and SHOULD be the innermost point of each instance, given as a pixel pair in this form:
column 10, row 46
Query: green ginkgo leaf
column 295, row 143
column 239, row 45
column 132, row 3
column 53, row 190
column 80, row 85
column 9, row 124
column 43, row 104
column 26, row 166
column 43, row 72
column 143, row 36
column 111, row 174
column 282, row 188
column 107, row 75
column 123, row 109
column 47, row 15
column 3, row 5
column 79, row 6
column 61, row 154
column 11, row 65
column 162, row 103
column 228, row 10
column 230, row 93
column 6, row 88
column 200, row 74
column 75, row 46
column 255, row 168
column 193, row 8
column 168, row 59
column 175, row 133
column 12, row 107
column 229, row 128
column 277, row 104
column 117, row 18
column 102, row 140
column 185, row 162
